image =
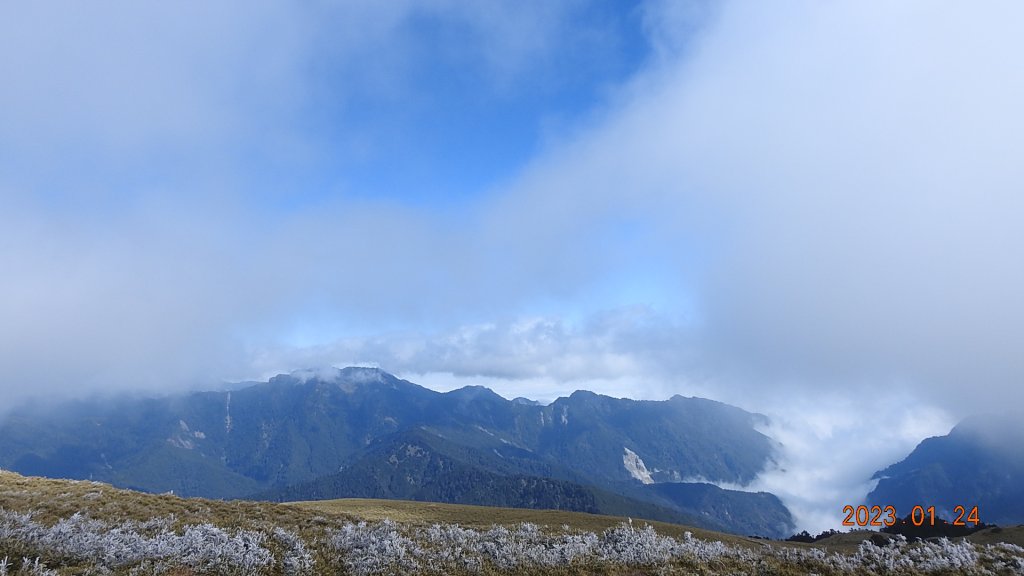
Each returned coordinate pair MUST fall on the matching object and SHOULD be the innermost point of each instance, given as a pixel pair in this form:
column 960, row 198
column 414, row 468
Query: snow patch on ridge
column 636, row 467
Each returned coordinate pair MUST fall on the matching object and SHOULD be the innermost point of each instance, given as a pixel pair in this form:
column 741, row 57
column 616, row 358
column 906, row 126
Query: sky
column 808, row 209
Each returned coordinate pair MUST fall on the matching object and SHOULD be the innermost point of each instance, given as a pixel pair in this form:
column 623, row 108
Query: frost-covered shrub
column 297, row 560
column 154, row 525
column 80, row 539
column 207, row 546
column 375, row 549
column 1003, row 557
column 526, row 545
column 382, row 548
column 624, row 544
column 453, row 547
column 896, row 556
column 944, row 555
column 704, row 551
column 156, row 547
column 577, row 546
column 29, row 567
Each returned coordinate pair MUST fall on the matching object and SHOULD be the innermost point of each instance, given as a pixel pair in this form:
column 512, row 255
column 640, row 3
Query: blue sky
column 807, row 209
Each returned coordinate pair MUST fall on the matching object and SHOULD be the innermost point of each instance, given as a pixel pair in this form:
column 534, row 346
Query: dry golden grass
column 427, row 513
column 52, row 500
column 844, row 543
column 1011, row 535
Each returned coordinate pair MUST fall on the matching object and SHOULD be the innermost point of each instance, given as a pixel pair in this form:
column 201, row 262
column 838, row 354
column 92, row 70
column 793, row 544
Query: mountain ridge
column 309, row 424
column 979, row 463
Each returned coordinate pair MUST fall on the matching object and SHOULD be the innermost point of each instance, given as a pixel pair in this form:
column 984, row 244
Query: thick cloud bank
column 839, row 183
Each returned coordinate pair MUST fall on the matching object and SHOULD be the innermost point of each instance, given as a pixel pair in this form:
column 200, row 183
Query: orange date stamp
column 879, row 516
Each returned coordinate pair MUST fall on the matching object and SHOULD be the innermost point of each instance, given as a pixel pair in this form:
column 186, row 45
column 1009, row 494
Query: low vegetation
column 63, row 527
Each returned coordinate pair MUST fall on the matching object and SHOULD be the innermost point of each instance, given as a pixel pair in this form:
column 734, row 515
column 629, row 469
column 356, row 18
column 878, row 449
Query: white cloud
column 633, row 352
column 837, row 184
column 143, row 146
column 100, row 89
column 831, row 444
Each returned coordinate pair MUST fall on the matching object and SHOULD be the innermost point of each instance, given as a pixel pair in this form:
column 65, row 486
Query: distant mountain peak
column 323, row 374
column 364, row 375
column 980, row 462
column 475, row 392
column 585, row 394
column 352, row 375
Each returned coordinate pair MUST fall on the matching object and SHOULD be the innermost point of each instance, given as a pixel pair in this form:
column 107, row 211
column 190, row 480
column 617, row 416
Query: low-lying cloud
column 831, row 440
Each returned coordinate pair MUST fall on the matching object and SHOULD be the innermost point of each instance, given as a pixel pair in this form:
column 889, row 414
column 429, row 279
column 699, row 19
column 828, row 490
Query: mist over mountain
column 364, row 432
column 979, row 463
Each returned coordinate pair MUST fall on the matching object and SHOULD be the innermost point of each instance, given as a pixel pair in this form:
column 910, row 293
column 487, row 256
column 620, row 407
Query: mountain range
column 980, row 463
column 361, row 432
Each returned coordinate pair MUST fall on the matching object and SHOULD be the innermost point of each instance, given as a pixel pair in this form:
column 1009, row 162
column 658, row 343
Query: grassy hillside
column 427, row 513
column 74, row 527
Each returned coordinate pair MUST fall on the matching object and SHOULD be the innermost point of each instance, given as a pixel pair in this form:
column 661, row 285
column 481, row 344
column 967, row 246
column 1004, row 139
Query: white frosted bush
column 453, row 547
column 944, row 555
column 526, row 545
column 207, row 546
column 382, row 548
column 1003, row 557
column 375, row 549
column 82, row 539
column 28, row 568
column 154, row 547
column 297, row 560
column 627, row 545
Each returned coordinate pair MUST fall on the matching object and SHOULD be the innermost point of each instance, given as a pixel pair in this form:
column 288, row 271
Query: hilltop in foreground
column 55, row 526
